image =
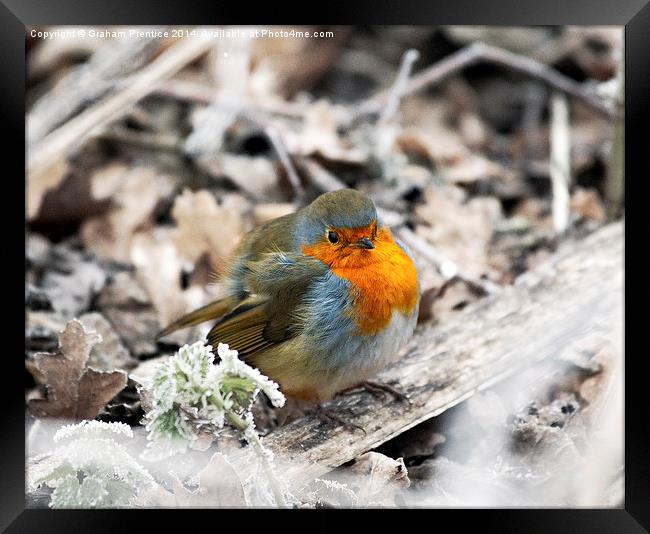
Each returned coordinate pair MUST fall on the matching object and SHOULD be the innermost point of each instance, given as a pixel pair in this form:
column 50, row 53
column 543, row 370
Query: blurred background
column 149, row 157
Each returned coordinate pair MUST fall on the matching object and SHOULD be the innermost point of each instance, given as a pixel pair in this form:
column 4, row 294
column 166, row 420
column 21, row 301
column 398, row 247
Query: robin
column 319, row 300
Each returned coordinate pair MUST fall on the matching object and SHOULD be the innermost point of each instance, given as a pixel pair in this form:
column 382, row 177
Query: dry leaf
column 109, row 354
column 460, row 231
column 288, row 66
column 135, row 193
column 74, row 391
column 40, row 181
column 382, row 477
column 72, row 284
column 203, row 226
column 158, row 268
column 587, row 203
column 320, row 137
column 127, row 306
column 427, row 136
column 143, row 374
column 255, row 175
column 442, row 302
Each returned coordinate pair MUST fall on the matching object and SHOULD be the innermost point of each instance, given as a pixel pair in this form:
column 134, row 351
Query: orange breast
column 384, row 279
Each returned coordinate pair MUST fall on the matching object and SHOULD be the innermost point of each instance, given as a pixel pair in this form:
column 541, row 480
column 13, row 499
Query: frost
column 233, row 366
column 335, row 492
column 90, row 469
column 192, row 398
column 92, row 429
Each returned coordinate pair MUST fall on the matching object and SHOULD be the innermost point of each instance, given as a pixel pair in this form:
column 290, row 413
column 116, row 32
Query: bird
column 319, row 300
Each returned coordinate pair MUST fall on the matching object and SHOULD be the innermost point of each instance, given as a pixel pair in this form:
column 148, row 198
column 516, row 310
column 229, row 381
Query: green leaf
column 240, row 388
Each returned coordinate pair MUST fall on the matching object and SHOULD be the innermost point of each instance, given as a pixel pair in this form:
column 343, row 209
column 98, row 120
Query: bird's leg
column 377, row 388
column 326, row 415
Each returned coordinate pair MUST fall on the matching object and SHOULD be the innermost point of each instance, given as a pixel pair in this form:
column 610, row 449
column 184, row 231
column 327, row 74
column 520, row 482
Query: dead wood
column 576, row 292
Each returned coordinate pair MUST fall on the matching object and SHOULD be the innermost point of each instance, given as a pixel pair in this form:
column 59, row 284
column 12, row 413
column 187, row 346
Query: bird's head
column 342, row 229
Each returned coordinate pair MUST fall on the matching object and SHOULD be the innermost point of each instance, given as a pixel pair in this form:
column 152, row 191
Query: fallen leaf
column 74, row 391
column 442, row 302
column 587, row 203
column 143, row 374
column 203, row 226
column 460, row 230
column 427, row 137
column 135, row 193
column 158, row 269
column 254, row 174
column 40, row 181
column 379, row 477
column 319, row 136
column 128, row 308
column 109, row 354
column 71, row 281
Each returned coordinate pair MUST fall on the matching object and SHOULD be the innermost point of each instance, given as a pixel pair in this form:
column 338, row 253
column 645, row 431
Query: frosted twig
column 560, row 164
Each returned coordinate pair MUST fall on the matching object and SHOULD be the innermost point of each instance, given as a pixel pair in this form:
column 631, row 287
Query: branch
column 480, row 52
column 67, row 138
column 575, row 293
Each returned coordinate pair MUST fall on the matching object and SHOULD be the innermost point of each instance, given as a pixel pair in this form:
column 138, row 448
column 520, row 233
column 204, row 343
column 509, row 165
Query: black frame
column 633, row 14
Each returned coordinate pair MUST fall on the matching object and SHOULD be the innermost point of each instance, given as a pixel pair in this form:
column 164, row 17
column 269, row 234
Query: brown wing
column 209, row 312
column 277, row 285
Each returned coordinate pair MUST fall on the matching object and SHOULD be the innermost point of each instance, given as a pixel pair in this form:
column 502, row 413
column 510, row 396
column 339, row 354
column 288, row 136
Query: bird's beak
column 364, row 242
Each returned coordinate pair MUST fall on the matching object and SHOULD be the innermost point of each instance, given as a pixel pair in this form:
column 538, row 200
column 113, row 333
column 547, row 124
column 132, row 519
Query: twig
column 199, row 93
column 560, row 164
column 397, row 90
column 447, row 268
column 150, row 140
column 324, row 180
column 110, row 63
column 478, row 52
column 285, row 159
column 67, row 138
column 615, row 182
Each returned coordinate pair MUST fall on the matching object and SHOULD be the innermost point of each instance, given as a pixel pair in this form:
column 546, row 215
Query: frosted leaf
column 192, row 398
column 89, row 469
column 231, row 365
column 335, row 492
column 92, row 429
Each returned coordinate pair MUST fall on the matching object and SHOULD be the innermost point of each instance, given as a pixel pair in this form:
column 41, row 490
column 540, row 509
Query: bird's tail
column 214, row 310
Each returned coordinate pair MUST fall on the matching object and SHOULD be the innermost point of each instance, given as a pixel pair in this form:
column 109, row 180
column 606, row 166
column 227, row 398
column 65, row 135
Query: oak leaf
column 74, row 390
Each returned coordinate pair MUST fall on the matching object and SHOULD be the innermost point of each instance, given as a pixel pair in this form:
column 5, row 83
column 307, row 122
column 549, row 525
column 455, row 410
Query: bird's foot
column 326, row 415
column 378, row 389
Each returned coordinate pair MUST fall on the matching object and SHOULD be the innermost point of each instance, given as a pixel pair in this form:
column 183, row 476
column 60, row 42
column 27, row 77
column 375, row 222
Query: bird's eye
column 333, row 237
